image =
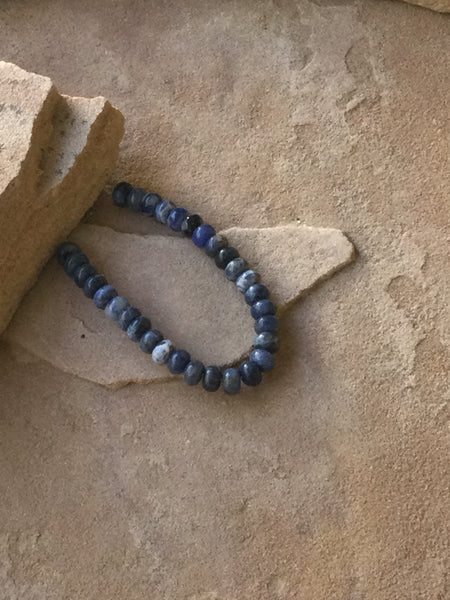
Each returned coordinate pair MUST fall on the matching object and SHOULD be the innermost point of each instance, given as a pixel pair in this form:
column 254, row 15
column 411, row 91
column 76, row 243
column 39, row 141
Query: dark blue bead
column 268, row 341
column 176, row 218
column 190, row 224
column 178, row 361
column 121, row 192
column 73, row 262
column 256, row 292
column 149, row 340
column 135, row 199
column 263, row 358
column 250, row 373
column 127, row 317
column 138, row 327
column 103, row 295
column 231, row 381
column 263, row 307
column 93, row 284
column 267, row 323
column 149, row 203
column 115, row 307
column 193, row 373
column 82, row 274
column 202, row 234
column 65, row 250
column 214, row 244
column 234, row 268
column 163, row 210
column 211, row 379
column 225, row 255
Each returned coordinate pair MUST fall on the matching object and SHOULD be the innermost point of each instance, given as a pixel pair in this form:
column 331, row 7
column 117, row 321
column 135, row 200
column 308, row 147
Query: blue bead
column 263, row 307
column 193, row 373
column 247, row 279
column 263, row 358
column 176, row 218
column 202, row 234
column 149, row 340
column 74, row 261
column 65, row 250
column 138, row 327
column 82, row 274
column 214, row 244
column 162, row 352
column 231, row 381
column 115, row 307
column 163, row 210
column 135, row 199
column 211, row 379
column 149, row 203
column 255, row 292
column 121, row 192
column 250, row 373
column 178, row 361
column 104, row 295
column 267, row 323
column 268, row 341
column 128, row 315
column 234, row 268
column 94, row 283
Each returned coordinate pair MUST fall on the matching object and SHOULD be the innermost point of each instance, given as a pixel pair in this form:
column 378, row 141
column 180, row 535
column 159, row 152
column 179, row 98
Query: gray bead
column 115, row 307
column 149, row 340
column 235, row 268
column 193, row 373
column 162, row 351
column 231, row 381
column 246, row 279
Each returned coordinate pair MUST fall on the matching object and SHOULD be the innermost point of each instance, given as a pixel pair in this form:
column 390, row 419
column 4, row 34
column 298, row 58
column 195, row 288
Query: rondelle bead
column 202, row 234
column 65, row 250
column 246, row 279
column 190, row 224
column 268, row 341
column 176, row 218
column 135, row 198
column 149, row 203
column 115, row 307
column 103, row 295
column 214, row 244
column 267, row 323
column 94, row 283
column 128, row 315
column 149, row 340
column 231, row 381
column 250, row 373
column 178, row 361
column 121, row 192
column 234, row 268
column 225, row 255
column 193, row 373
column 263, row 307
column 73, row 262
column 211, row 379
column 255, row 292
column 163, row 210
column 138, row 327
column 162, row 352
column 263, row 358
column 82, row 273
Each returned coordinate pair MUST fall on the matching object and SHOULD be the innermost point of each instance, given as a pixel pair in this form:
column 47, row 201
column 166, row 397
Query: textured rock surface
column 331, row 481
column 55, row 155
column 439, row 5
column 178, row 286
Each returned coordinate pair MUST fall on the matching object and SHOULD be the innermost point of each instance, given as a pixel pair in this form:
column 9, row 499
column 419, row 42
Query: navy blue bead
column 115, row 307
column 267, row 323
column 263, row 358
column 121, row 192
column 211, row 379
column 135, row 199
column 256, row 292
column 268, row 341
column 178, row 361
column 263, row 307
column 149, row 340
column 225, row 255
column 190, row 224
column 163, row 210
column 149, row 203
column 103, row 295
column 214, row 244
column 93, row 284
column 193, row 373
column 65, row 250
column 231, row 381
column 138, row 327
column 73, row 262
column 250, row 373
column 176, row 218
column 82, row 273
column 234, row 268
column 202, row 234
column 127, row 317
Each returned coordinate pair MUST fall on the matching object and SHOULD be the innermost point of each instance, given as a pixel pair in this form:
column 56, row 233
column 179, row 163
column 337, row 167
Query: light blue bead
column 231, row 381
column 115, row 307
column 162, row 352
column 248, row 278
column 234, row 268
column 163, row 210
column 263, row 359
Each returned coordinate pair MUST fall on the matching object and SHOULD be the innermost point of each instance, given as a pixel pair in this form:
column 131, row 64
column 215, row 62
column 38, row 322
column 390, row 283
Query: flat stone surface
column 439, row 5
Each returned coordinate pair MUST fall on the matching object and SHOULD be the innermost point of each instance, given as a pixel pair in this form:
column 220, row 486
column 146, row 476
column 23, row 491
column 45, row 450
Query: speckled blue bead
column 225, row 255
column 246, row 279
column 176, row 218
column 162, row 351
column 94, row 283
column 250, row 373
column 231, row 381
column 193, row 372
column 263, row 358
column 267, row 323
column 149, row 203
column 128, row 315
column 211, row 379
column 65, row 250
column 163, row 210
column 268, row 341
column 73, row 262
column 82, row 274
column 135, row 199
column 262, row 308
column 138, row 327
column 256, row 292
column 214, row 244
column 234, row 268
column 121, row 192
column 149, row 340
column 115, row 307
column 202, row 234
column 104, row 295
column 178, row 361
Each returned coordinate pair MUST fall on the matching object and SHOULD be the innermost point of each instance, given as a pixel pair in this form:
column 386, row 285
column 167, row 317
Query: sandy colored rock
column 438, row 5
column 56, row 154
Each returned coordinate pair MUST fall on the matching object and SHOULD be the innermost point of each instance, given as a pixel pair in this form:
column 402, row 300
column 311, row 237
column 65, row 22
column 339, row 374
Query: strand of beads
column 138, row 327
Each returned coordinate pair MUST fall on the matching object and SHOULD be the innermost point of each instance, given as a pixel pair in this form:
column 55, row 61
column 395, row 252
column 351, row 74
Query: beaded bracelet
column 138, row 327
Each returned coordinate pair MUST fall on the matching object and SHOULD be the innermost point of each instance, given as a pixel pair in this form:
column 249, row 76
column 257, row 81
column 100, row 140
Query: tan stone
column 438, row 5
column 56, row 154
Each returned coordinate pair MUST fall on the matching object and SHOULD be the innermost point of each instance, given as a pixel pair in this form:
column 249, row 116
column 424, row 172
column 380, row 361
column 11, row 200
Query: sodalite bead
column 82, row 274
column 103, row 295
column 121, row 192
column 214, row 244
column 163, row 210
column 202, row 234
column 65, row 250
column 250, row 373
column 211, row 379
column 138, row 327
column 128, row 315
column 267, row 323
column 193, row 373
column 267, row 340
column 176, row 218
column 231, row 381
column 115, row 307
column 135, row 199
column 190, row 224
column 263, row 307
column 234, row 268
column 162, row 352
column 149, row 203
column 73, row 262
column 256, row 292
column 246, row 279
column 93, row 284
column 225, row 255
column 149, row 340
column 178, row 361
column 263, row 358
